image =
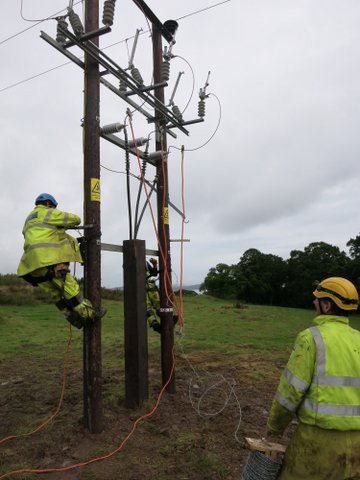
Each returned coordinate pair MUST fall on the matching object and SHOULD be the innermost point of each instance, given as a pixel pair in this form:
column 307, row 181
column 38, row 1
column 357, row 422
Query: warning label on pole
column 95, row 190
column 166, row 216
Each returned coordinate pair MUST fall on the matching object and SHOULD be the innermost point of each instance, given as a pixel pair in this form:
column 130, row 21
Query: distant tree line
column 267, row 279
column 15, row 291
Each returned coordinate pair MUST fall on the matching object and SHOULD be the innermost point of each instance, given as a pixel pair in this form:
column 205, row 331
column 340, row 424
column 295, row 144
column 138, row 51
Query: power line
column 33, row 77
column 37, row 22
column 13, row 85
column 18, row 33
column 203, row 9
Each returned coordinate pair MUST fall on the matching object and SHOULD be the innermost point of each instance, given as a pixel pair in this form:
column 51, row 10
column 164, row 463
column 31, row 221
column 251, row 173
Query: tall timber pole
column 165, row 282
column 93, row 408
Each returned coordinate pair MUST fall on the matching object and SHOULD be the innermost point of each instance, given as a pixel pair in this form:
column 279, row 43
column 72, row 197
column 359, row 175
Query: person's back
column 327, row 404
column 321, row 386
column 46, row 241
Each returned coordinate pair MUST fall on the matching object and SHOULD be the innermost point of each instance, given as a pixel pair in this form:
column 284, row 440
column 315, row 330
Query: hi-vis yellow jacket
column 321, row 381
column 46, row 242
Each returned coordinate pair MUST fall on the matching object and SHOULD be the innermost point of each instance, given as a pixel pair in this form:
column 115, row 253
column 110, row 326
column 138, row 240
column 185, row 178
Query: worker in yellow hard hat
column 48, row 251
column 321, row 387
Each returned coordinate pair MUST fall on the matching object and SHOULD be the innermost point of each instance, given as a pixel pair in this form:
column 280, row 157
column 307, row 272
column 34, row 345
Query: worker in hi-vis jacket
column 321, row 386
column 153, row 311
column 152, row 296
column 48, row 251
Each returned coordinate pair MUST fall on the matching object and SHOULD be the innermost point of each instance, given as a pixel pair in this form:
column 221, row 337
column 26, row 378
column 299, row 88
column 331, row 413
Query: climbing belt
column 261, row 467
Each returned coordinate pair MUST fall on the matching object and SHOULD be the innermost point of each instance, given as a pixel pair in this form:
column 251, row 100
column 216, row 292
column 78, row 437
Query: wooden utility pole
column 134, row 263
column 93, row 409
column 165, row 282
column 135, row 324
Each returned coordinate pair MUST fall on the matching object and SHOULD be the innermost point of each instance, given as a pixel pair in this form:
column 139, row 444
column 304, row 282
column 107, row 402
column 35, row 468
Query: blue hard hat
column 43, row 197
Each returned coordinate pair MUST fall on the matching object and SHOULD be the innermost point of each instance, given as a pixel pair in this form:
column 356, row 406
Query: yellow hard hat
column 340, row 290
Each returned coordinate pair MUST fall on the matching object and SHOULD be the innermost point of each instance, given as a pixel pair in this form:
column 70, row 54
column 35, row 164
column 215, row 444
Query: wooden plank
column 270, row 449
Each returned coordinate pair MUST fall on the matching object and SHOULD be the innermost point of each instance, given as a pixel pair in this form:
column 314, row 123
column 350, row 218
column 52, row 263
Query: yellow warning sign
column 166, row 216
column 95, row 190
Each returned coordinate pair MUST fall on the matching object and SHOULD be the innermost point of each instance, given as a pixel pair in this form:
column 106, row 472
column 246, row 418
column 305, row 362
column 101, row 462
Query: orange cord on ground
column 57, row 411
column 113, row 452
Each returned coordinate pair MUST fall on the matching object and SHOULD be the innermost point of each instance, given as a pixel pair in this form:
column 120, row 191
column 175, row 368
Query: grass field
column 209, row 324
column 228, row 361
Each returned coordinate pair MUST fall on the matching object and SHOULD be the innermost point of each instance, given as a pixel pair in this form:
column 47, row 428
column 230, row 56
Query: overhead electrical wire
column 36, row 22
column 211, row 136
column 53, row 16
column 193, row 81
column 33, row 77
column 203, row 9
column 20, row 82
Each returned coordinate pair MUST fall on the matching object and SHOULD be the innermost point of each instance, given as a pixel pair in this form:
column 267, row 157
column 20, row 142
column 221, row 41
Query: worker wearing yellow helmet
column 321, row 387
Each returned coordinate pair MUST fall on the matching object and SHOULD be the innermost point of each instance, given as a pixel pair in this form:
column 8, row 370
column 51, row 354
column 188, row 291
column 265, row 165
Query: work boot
column 74, row 318
column 100, row 313
column 85, row 309
column 61, row 270
column 78, row 321
column 155, row 325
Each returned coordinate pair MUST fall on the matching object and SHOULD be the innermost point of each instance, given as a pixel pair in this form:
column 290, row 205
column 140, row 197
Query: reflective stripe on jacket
column 150, row 283
column 321, row 382
column 46, row 241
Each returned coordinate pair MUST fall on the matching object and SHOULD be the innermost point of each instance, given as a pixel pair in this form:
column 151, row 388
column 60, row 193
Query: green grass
column 217, row 324
column 248, row 341
column 210, row 324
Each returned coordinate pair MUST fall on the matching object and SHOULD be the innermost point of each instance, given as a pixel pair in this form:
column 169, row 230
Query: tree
column 220, row 281
column 318, row 261
column 354, row 247
column 268, row 279
column 354, row 267
column 260, row 277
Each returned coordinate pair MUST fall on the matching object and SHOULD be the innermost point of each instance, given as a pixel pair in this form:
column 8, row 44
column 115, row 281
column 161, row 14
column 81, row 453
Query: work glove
column 156, row 326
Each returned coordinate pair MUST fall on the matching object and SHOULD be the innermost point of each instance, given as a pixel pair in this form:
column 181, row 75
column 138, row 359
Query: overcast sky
column 282, row 169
